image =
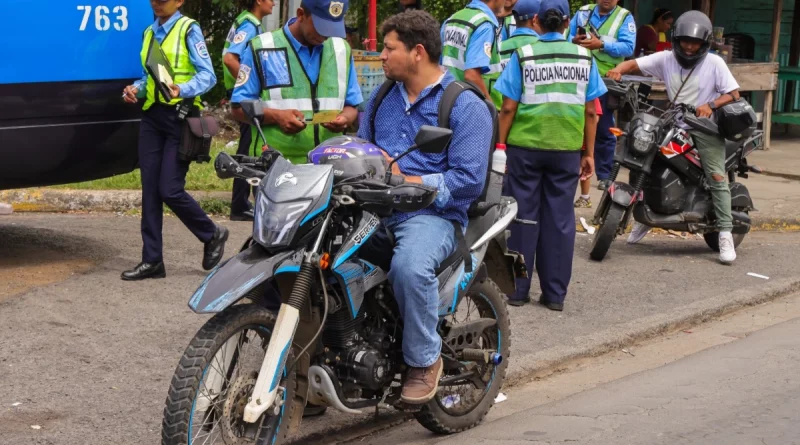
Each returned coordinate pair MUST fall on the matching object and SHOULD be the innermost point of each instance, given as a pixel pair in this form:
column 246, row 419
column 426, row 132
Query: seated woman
column 653, row 37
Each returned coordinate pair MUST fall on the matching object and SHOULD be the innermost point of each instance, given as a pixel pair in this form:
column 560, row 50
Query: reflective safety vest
column 555, row 77
column 286, row 86
column 233, row 36
column 609, row 33
column 174, row 47
column 508, row 27
column 458, row 30
column 509, row 46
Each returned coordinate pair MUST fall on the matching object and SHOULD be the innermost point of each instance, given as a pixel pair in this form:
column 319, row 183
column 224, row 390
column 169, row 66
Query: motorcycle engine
column 364, row 365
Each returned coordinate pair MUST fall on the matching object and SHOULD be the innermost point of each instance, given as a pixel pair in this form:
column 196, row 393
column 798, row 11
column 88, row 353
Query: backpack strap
column 382, row 92
column 449, row 98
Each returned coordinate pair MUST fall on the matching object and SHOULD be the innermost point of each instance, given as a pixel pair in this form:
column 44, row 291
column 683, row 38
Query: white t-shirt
column 711, row 77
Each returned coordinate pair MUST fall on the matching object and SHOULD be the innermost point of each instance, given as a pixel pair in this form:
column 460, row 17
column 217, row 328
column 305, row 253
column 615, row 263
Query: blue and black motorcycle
column 302, row 318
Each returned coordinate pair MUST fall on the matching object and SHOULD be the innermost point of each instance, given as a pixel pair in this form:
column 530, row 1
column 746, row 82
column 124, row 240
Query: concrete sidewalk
column 783, row 158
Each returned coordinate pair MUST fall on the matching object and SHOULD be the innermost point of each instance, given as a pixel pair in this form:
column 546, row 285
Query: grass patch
column 200, row 176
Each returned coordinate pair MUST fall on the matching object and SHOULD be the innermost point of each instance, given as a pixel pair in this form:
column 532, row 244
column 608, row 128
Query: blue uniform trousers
column 543, row 183
column 163, row 181
column 241, row 189
column 605, row 143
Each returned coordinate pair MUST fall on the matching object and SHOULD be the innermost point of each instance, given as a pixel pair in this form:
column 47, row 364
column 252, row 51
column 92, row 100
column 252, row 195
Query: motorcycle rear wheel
column 207, row 395
column 439, row 415
column 607, row 232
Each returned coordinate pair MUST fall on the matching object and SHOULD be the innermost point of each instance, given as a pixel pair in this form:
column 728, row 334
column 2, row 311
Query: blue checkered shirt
column 459, row 172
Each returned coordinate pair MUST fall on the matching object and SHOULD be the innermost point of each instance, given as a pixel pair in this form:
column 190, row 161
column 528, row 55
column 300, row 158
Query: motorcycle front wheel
column 214, row 381
column 459, row 407
column 607, row 232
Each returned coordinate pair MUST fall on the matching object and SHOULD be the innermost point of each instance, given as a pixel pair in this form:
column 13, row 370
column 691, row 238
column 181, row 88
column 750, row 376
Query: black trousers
column 163, row 182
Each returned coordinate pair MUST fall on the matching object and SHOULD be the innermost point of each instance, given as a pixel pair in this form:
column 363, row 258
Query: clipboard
column 160, row 68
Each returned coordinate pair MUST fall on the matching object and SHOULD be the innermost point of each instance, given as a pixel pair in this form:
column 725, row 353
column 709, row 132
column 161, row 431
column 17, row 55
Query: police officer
column 508, row 23
column 609, row 31
column 548, row 112
column 284, row 70
column 163, row 174
column 246, row 26
column 526, row 31
column 469, row 45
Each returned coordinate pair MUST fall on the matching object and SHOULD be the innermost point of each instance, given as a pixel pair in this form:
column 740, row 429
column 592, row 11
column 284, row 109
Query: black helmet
column 691, row 25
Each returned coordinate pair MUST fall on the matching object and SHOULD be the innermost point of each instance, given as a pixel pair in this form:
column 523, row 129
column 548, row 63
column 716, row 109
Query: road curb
column 612, row 339
column 64, row 200
column 67, row 200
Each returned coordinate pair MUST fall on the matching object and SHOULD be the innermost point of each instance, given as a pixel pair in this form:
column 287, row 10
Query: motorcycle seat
column 477, row 226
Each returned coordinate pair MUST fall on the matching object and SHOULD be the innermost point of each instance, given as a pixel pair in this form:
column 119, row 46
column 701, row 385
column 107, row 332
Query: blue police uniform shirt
column 459, row 172
column 310, row 58
column 239, row 40
column 204, row 79
column 513, row 28
column 510, row 82
column 626, row 40
column 483, row 37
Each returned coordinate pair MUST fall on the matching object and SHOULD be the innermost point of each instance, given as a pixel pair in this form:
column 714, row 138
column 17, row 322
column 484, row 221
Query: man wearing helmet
column 695, row 77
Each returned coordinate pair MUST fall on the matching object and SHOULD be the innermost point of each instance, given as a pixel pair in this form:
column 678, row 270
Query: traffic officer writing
column 303, row 104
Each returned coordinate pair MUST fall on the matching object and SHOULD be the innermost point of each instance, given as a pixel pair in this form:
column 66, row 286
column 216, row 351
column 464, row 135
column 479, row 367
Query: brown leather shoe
column 421, row 383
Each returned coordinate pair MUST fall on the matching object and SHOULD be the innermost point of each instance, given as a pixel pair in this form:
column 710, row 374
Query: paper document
column 163, row 76
column 323, row 117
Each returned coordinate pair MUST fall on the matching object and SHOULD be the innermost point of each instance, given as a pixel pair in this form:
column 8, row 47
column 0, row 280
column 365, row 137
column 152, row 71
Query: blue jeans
column 421, row 244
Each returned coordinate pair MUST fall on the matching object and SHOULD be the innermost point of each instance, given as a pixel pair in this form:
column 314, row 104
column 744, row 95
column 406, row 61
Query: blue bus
column 65, row 64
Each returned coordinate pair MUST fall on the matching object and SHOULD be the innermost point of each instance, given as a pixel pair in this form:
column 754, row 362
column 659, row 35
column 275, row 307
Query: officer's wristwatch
column 712, row 105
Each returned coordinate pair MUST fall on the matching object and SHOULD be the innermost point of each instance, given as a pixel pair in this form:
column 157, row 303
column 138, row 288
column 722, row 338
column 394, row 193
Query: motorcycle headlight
column 276, row 223
column 643, row 140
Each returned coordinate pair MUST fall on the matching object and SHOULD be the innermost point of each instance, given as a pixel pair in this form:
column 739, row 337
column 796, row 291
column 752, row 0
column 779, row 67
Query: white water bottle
column 499, row 159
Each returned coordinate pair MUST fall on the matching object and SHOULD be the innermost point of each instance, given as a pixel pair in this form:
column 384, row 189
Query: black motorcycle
column 334, row 338
column 668, row 188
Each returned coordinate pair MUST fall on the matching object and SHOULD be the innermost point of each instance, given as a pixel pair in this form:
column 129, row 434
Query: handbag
column 196, row 136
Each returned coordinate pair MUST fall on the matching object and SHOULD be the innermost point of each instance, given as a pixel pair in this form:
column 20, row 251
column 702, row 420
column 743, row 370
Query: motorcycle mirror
column 225, row 166
column 252, row 109
column 432, row 139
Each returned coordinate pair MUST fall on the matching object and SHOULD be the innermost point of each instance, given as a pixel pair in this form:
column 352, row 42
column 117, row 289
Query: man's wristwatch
column 712, row 105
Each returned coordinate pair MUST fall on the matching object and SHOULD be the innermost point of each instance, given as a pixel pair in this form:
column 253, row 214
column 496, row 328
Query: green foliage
column 215, row 18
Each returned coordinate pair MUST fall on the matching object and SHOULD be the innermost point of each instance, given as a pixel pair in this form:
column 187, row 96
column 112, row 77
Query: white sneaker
column 727, row 253
column 638, row 232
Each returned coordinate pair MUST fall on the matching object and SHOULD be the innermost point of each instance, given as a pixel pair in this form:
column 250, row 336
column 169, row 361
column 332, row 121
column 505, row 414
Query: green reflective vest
column 609, row 33
column 286, row 86
column 174, row 47
column 508, row 47
column 458, row 30
column 551, row 112
column 233, row 37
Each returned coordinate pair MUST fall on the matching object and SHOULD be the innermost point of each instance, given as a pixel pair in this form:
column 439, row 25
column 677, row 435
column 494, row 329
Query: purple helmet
column 351, row 157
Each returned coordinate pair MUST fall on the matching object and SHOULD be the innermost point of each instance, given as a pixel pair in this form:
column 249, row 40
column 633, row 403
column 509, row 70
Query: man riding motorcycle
column 693, row 76
column 423, row 239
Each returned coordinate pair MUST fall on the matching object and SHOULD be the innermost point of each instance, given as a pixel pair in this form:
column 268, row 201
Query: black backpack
column 449, row 97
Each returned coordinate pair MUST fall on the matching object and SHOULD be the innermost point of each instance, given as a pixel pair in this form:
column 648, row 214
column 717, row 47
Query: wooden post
column 773, row 55
column 794, row 56
column 712, row 10
column 705, row 6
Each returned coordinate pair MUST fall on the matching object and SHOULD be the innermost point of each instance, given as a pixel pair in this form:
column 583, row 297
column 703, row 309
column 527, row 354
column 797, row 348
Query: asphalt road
column 89, row 357
column 746, row 392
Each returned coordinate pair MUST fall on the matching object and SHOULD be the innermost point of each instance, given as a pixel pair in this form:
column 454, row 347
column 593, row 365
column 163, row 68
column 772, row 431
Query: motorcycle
column 335, row 340
column 668, row 188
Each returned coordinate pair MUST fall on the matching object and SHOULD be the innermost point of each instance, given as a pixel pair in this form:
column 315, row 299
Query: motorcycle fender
column 740, row 197
column 622, row 193
column 234, row 278
column 504, row 265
